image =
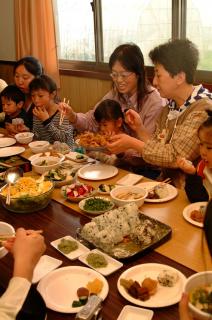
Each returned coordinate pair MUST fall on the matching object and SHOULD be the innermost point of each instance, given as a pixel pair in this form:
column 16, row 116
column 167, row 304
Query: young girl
column 204, row 167
column 46, row 118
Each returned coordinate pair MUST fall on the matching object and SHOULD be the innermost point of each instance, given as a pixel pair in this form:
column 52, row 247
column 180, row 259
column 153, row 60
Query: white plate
column 97, row 171
column 59, row 287
column 44, row 266
column 135, row 313
column 82, row 203
column 113, row 264
column 191, row 207
column 45, row 154
column 73, row 156
column 74, row 254
column 165, row 296
column 149, row 185
column 6, row 142
column 130, row 179
column 11, row 151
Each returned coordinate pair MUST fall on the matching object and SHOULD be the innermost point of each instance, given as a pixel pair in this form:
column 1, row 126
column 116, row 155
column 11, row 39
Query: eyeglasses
column 124, row 75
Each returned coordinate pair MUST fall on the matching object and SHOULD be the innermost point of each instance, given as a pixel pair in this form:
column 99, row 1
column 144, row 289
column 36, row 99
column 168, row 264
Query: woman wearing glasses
column 130, row 88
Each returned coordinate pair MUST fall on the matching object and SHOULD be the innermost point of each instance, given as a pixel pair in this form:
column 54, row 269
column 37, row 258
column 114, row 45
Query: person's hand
column 121, row 142
column 183, row 308
column 26, row 248
column 185, row 165
column 41, row 113
column 67, row 110
column 21, row 127
column 133, row 119
column 11, row 129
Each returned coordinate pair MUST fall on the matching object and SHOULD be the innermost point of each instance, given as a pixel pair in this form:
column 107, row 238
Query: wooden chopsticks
column 63, row 113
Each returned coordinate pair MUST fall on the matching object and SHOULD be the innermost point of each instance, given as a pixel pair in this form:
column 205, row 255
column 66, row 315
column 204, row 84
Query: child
column 109, row 116
column 12, row 100
column 46, row 118
column 204, row 168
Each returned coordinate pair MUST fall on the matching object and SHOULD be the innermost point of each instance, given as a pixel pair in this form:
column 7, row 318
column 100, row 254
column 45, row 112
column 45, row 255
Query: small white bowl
column 125, row 189
column 39, row 146
column 51, row 163
column 24, row 137
column 193, row 282
column 5, row 228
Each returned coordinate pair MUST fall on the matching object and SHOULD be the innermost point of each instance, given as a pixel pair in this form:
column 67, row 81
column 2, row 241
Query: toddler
column 15, row 117
column 46, row 117
column 204, row 167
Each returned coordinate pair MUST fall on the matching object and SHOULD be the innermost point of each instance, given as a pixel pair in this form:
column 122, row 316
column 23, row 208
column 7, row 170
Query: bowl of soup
column 126, row 194
column 43, row 164
column 24, row 137
column 199, row 289
column 39, row 146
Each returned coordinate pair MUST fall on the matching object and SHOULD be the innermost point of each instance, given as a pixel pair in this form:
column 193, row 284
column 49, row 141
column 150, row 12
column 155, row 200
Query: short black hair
column 43, row 82
column 13, row 93
column 31, row 64
column 179, row 55
column 108, row 110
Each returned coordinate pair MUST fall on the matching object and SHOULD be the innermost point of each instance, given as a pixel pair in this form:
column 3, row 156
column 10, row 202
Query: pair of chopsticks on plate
column 63, row 113
column 167, row 180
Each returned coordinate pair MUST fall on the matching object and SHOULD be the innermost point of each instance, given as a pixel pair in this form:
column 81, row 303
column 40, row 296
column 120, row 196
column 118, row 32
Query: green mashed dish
column 66, row 246
column 96, row 260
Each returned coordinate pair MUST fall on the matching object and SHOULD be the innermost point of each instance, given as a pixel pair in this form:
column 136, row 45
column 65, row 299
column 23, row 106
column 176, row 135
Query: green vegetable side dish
column 66, row 246
column 97, row 204
column 80, row 156
column 96, row 260
column 106, row 187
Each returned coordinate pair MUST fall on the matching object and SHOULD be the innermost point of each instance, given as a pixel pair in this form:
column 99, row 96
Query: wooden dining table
column 186, row 250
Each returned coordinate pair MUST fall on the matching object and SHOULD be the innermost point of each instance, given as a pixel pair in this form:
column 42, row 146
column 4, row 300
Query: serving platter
column 59, row 287
column 164, row 296
column 129, row 248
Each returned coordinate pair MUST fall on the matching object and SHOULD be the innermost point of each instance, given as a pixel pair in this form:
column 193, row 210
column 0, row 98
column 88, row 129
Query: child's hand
column 21, row 127
column 68, row 111
column 11, row 129
column 185, row 165
column 41, row 113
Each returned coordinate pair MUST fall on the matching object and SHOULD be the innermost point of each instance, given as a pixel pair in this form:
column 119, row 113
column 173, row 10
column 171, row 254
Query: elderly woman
column 176, row 130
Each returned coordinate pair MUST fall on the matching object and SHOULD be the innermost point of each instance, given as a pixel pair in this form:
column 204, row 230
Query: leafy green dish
column 96, row 205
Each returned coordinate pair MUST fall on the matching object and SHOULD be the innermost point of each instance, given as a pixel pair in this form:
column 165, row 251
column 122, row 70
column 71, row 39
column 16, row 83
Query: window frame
column 100, row 70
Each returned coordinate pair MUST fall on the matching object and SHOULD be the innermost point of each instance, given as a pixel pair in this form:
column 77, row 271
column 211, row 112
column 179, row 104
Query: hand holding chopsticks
column 63, row 111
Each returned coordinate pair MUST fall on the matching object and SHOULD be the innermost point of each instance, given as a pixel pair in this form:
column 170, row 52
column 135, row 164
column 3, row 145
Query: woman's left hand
column 41, row 113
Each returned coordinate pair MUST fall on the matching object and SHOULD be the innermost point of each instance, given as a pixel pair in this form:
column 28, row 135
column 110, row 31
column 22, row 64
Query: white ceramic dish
column 24, row 137
column 107, row 187
column 172, row 191
column 130, row 179
column 44, row 266
column 45, row 154
column 97, row 171
column 193, row 282
column 191, row 207
column 59, row 287
column 5, row 228
column 120, row 190
column 165, row 296
column 39, row 146
column 50, row 163
column 6, row 142
column 82, row 204
column 74, row 156
column 11, row 151
column 74, row 254
column 135, row 313
column 113, row 264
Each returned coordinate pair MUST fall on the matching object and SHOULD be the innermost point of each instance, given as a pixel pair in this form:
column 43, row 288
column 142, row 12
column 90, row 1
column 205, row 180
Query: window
column 88, row 31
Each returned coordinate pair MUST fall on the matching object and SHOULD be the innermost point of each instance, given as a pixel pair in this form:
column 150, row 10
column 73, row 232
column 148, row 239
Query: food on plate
column 129, row 195
column 77, row 191
column 198, row 215
column 27, row 187
column 167, row 278
column 92, row 139
column 151, row 285
column 60, row 174
column 137, row 291
column 201, row 298
column 96, row 260
column 66, row 246
column 95, row 286
column 44, row 163
column 97, row 204
column 106, row 187
column 158, row 192
column 112, row 227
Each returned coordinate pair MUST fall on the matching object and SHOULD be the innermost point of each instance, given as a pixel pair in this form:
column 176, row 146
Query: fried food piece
column 95, row 286
column 151, row 285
